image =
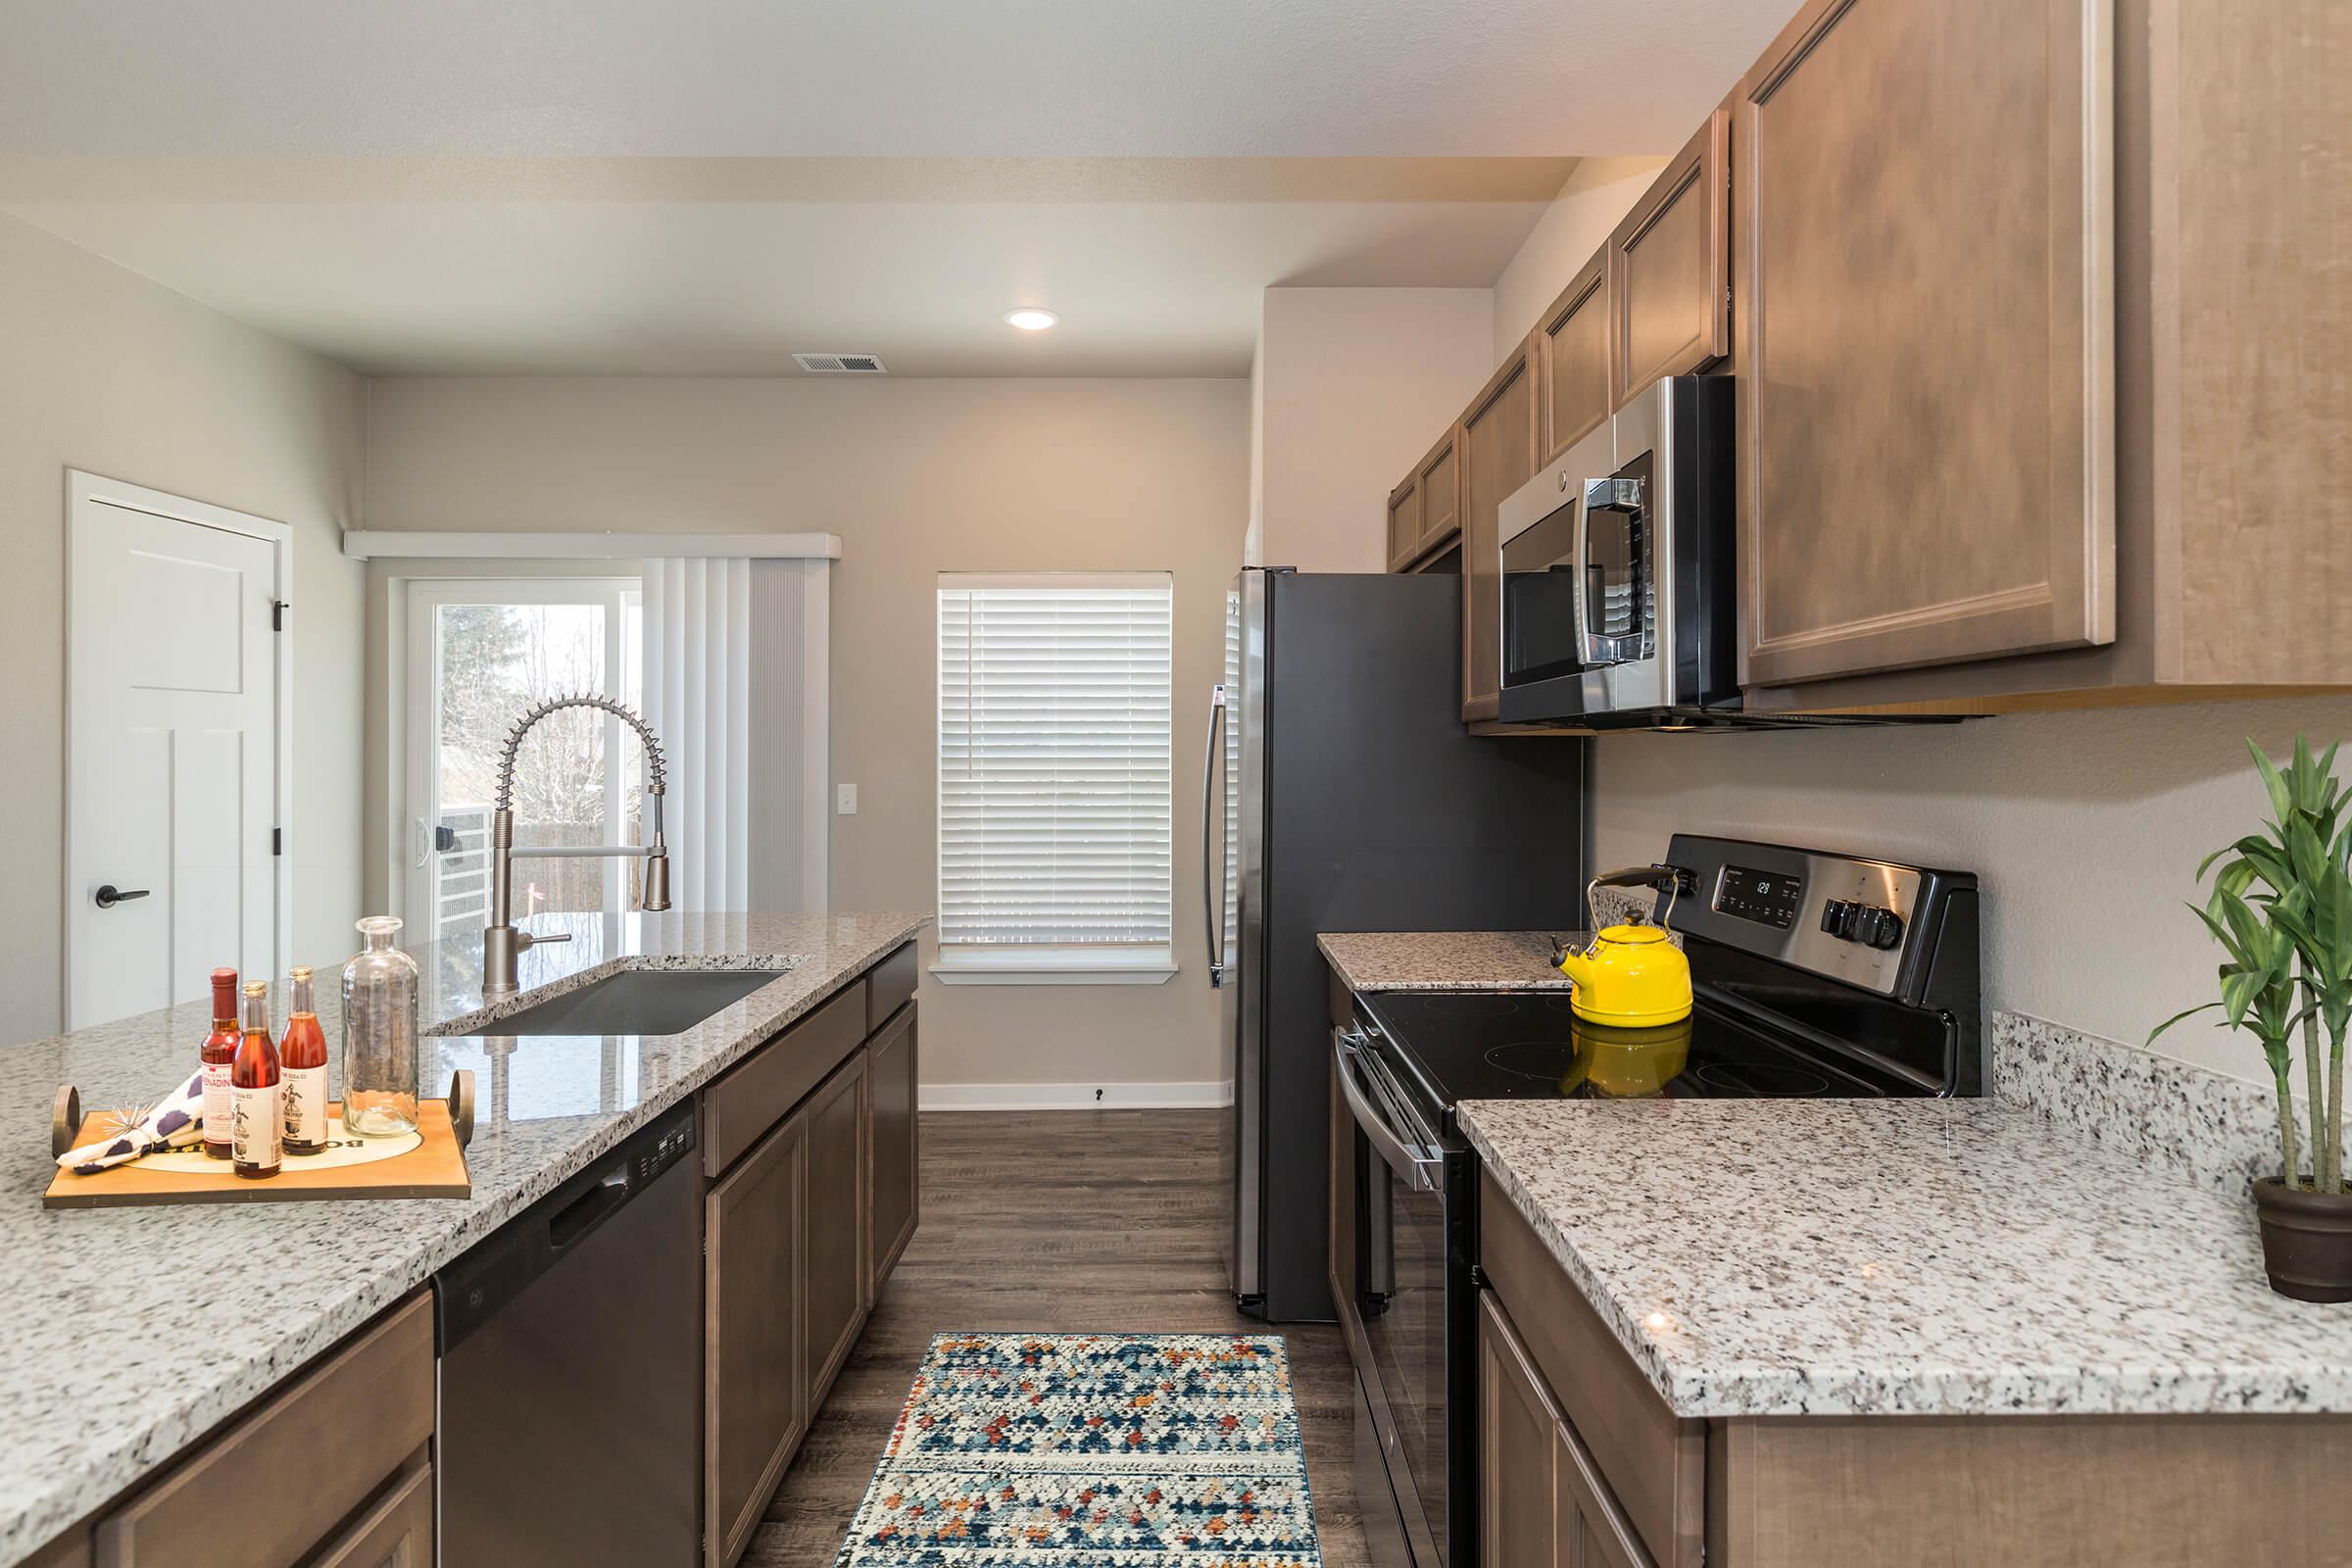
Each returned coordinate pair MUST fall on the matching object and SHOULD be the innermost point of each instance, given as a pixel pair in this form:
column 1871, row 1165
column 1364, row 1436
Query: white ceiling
column 704, row 187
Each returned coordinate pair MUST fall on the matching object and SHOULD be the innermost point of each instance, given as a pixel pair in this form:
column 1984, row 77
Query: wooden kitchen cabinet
column 894, row 1182
column 1669, row 267
column 1925, row 297
column 838, row 1281
column 358, row 1431
column 1518, row 1520
column 397, row 1531
column 1573, row 358
column 1404, row 523
column 2068, row 438
column 1425, row 510
column 1542, row 1502
column 755, row 1401
column 1497, row 450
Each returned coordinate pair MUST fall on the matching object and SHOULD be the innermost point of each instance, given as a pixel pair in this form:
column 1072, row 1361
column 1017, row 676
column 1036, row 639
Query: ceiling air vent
column 840, row 364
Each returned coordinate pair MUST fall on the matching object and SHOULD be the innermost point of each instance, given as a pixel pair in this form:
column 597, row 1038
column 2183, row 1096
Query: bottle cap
column 257, row 987
column 301, row 971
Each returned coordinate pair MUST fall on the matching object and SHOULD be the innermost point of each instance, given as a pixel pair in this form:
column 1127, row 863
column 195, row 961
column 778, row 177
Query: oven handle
column 1420, row 1169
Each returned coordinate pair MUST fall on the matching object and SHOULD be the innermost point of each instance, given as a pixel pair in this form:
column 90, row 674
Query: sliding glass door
column 480, row 653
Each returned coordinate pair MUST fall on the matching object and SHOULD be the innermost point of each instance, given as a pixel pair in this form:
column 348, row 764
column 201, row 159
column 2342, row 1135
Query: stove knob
column 1864, row 927
column 1881, row 928
column 1838, row 917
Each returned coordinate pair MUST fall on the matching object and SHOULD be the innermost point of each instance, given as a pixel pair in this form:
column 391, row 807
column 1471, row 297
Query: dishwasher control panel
column 669, row 1146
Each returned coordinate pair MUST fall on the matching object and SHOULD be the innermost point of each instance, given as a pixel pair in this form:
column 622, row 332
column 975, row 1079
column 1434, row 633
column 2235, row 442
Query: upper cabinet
column 1425, row 510
column 1669, row 268
column 1969, row 260
column 1572, row 360
column 1927, row 454
column 1404, row 523
column 1498, row 455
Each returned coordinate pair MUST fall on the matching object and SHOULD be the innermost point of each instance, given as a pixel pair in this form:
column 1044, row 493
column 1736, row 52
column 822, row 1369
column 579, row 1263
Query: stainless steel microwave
column 1618, row 605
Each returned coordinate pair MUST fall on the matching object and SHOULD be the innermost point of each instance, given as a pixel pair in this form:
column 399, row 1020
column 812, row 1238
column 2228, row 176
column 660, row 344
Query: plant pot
column 2306, row 1241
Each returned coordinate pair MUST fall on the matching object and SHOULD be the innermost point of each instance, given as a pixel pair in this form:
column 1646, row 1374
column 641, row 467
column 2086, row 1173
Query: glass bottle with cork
column 302, row 1059
column 258, row 1126
column 218, row 1049
column 379, row 1035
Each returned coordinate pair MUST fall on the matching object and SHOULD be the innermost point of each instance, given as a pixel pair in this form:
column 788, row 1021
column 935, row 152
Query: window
column 480, row 652
column 1054, row 778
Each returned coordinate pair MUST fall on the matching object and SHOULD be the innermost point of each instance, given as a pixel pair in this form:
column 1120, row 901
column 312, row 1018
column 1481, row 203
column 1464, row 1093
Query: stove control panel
column 1864, row 921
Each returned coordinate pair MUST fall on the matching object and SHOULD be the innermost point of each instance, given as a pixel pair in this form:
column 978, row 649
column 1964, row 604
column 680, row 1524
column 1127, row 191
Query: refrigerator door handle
column 1213, row 887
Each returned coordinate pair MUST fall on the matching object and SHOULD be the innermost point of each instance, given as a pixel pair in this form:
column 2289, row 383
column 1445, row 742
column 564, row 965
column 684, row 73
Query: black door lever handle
column 109, row 894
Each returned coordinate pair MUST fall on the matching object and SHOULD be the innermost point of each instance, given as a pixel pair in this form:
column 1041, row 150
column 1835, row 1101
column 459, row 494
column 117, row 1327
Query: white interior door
column 480, row 652
column 173, row 778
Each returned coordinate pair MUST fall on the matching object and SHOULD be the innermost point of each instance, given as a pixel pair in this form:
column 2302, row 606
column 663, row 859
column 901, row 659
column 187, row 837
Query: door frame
column 85, row 492
column 415, row 710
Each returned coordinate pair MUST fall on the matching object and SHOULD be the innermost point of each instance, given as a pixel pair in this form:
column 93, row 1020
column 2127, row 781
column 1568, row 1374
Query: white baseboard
column 1075, row 1096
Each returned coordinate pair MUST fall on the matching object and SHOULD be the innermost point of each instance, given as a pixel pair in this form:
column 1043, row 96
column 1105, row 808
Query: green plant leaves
column 2281, row 902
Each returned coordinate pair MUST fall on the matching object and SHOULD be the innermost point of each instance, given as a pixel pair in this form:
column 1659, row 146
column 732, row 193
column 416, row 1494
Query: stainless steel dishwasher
column 571, row 1374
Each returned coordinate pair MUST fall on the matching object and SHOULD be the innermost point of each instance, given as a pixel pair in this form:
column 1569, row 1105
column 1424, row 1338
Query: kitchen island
column 134, row 1331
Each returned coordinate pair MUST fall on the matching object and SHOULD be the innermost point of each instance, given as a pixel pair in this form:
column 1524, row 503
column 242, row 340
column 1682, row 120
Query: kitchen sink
column 635, row 1002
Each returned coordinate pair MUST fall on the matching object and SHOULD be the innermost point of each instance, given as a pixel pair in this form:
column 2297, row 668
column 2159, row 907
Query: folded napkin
column 176, row 1121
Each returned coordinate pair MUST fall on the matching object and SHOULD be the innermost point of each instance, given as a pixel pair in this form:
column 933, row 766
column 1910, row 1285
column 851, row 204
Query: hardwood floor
column 1110, row 1220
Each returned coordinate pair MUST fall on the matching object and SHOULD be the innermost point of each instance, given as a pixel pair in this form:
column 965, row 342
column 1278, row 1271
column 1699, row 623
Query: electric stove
column 1815, row 975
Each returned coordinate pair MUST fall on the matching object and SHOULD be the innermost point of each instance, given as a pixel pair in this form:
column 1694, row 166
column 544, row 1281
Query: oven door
column 1400, row 1296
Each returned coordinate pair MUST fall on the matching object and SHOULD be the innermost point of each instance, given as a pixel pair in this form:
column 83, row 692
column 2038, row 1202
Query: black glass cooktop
column 1519, row 1045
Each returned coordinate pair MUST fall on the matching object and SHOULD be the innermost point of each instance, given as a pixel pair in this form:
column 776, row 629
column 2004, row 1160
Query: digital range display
column 1768, row 898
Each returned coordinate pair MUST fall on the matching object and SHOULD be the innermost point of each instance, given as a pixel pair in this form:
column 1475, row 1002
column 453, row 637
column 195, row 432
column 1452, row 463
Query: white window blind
column 1053, row 771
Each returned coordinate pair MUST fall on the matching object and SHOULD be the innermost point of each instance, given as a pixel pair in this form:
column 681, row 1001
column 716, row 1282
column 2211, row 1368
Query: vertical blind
column 1054, row 761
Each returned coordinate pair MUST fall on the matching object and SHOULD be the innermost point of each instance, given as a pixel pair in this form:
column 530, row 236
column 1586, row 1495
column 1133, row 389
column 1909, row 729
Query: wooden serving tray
column 434, row 1168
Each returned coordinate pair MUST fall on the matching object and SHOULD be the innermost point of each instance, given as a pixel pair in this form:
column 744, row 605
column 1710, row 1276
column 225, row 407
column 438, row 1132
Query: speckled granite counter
column 1837, row 1257
column 1443, row 960
column 133, row 1330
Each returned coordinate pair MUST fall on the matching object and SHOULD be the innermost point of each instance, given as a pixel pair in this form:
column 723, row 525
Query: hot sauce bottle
column 219, row 1050
column 258, row 1112
column 302, row 1056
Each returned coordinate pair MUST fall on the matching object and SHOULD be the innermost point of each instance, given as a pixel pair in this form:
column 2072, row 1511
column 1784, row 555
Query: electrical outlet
column 845, row 799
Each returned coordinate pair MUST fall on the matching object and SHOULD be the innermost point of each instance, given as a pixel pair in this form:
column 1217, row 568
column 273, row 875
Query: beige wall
column 918, row 477
column 1598, row 192
column 1352, row 386
column 2086, row 827
column 102, row 370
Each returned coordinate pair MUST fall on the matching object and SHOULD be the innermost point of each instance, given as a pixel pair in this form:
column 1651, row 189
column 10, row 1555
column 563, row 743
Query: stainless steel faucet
column 502, row 944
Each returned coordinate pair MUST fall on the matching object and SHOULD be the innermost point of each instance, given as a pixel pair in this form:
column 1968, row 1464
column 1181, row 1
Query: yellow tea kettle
column 1630, row 976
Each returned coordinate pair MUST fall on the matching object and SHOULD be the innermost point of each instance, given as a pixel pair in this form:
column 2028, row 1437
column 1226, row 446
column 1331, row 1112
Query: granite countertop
column 1444, row 960
column 132, row 1331
column 1947, row 1257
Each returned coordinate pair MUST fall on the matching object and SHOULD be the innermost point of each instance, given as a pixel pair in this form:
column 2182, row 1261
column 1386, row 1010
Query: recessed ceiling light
column 1029, row 318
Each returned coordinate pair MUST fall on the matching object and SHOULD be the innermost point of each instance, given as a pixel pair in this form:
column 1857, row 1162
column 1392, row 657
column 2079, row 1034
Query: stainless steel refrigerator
column 1341, row 793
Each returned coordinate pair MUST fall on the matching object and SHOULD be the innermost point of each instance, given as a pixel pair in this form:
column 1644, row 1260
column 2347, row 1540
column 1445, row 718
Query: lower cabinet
column 835, row 1275
column 754, row 1404
column 357, row 1429
column 801, row 1227
column 1542, row 1502
column 894, row 1087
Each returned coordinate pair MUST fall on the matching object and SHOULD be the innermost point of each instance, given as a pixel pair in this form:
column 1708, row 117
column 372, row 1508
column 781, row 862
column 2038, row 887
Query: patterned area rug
column 1092, row 1451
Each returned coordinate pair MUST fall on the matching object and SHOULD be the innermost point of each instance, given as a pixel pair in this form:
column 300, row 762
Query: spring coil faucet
column 502, row 944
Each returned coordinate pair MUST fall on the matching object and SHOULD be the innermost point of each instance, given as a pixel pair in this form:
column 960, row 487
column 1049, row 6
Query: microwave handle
column 1420, row 1172
column 1586, row 654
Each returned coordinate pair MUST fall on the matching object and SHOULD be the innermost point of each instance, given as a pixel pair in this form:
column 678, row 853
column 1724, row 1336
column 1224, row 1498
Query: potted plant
column 2281, row 910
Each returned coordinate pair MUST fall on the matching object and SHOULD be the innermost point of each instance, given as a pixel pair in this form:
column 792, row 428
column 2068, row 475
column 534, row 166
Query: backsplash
column 2206, row 1126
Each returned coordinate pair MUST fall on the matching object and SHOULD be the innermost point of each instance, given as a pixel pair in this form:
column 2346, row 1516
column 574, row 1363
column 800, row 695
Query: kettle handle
column 1667, row 879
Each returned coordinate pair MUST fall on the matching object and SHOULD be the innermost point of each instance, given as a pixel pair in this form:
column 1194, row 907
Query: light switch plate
column 845, row 799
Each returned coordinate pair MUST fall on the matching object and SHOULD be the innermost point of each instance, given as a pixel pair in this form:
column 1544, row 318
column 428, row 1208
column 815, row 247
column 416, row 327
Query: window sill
column 1057, row 966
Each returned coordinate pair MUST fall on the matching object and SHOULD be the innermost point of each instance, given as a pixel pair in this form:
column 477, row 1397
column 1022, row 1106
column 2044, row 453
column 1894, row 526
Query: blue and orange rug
column 1092, row 1451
